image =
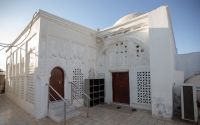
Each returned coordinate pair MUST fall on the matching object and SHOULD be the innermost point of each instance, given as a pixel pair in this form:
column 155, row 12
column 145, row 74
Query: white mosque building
column 136, row 57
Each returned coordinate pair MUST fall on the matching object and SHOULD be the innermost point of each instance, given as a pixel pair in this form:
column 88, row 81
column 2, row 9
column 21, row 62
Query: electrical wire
column 9, row 45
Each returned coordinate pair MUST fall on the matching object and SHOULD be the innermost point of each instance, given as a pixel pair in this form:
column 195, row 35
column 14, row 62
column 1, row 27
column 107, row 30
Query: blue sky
column 185, row 16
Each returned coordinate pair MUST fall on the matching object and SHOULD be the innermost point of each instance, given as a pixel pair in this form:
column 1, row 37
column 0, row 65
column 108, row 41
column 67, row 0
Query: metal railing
column 88, row 98
column 65, row 102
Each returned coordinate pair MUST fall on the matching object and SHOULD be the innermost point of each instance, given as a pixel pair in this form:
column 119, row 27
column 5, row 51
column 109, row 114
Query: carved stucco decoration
column 119, row 39
column 132, row 58
column 32, row 59
column 77, row 51
column 42, row 55
column 58, row 48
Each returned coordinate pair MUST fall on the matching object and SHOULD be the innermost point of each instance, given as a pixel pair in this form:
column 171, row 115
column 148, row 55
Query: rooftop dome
column 128, row 17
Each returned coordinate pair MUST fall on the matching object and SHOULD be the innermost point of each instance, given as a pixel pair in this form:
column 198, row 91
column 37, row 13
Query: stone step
column 57, row 104
column 60, row 110
column 60, row 118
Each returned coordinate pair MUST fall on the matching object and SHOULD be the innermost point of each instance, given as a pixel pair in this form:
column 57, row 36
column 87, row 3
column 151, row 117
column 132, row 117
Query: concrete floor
column 11, row 114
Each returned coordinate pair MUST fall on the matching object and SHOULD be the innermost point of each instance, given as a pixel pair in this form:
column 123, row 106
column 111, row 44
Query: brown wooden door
column 57, row 82
column 120, row 83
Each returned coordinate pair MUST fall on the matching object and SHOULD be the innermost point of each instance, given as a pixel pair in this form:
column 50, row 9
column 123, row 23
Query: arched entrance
column 57, row 82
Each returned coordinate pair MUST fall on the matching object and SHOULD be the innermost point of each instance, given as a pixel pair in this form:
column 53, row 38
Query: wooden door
column 57, row 82
column 120, row 83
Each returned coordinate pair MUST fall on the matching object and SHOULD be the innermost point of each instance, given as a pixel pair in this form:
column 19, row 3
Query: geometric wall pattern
column 144, row 87
column 22, row 87
column 30, row 89
column 100, row 75
column 78, row 81
column 17, row 86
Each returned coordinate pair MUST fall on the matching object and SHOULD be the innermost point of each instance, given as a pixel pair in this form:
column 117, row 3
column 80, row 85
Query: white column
column 161, row 62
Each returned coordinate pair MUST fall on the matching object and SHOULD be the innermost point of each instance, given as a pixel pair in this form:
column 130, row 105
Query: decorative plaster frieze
column 123, row 52
column 123, row 34
column 64, row 22
column 119, row 39
column 67, row 33
column 42, row 53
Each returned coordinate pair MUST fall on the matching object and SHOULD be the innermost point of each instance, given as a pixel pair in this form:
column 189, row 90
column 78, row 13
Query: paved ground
column 11, row 114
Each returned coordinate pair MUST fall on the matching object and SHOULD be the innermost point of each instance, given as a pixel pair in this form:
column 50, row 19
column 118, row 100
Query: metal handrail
column 79, row 102
column 57, row 93
column 65, row 102
column 53, row 97
column 88, row 98
column 81, row 90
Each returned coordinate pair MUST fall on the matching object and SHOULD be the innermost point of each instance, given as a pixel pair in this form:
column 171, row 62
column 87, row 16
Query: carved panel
column 13, row 86
column 120, row 55
column 22, row 66
column 78, row 81
column 42, row 55
column 125, row 54
column 31, row 63
column 102, row 62
column 144, row 87
column 141, row 57
column 22, row 60
column 17, row 86
column 100, row 75
column 30, row 89
column 58, row 48
column 22, row 87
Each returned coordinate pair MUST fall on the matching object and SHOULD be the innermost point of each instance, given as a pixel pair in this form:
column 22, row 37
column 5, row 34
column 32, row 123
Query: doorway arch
column 57, row 82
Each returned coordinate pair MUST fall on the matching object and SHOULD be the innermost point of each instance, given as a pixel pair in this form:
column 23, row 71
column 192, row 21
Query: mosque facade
column 135, row 57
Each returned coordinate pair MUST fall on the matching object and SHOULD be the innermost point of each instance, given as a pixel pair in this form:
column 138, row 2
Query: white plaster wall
column 66, row 45
column 106, row 49
column 140, row 37
column 18, row 59
column 161, row 62
column 178, row 80
column 189, row 63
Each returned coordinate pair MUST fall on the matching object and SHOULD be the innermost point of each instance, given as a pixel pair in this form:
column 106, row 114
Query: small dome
column 128, row 17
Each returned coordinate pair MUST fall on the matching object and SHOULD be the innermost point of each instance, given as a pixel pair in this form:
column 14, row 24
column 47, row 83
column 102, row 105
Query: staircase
column 56, row 110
